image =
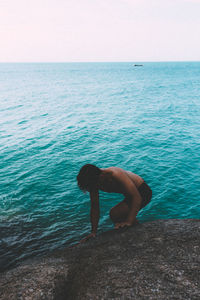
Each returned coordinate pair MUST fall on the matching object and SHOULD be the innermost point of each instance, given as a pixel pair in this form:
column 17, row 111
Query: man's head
column 88, row 177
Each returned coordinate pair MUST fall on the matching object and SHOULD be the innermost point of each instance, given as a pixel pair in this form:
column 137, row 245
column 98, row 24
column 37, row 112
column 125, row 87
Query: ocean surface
column 54, row 118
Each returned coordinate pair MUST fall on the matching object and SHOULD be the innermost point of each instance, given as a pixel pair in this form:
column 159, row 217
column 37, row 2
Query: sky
column 99, row 30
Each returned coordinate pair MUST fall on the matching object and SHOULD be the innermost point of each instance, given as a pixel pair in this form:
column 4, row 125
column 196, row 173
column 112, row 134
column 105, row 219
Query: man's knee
column 117, row 215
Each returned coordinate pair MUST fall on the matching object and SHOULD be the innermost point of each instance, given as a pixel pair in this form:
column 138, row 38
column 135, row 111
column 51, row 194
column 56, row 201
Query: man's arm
column 94, row 210
column 94, row 214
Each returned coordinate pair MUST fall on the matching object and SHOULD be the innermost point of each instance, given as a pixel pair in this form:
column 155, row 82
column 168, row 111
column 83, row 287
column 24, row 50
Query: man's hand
column 91, row 235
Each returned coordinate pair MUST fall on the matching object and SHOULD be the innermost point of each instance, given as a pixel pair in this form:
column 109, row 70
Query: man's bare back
column 110, row 178
column 137, row 193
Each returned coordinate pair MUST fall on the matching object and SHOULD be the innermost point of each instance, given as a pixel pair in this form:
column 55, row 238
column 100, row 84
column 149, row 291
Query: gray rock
column 155, row 260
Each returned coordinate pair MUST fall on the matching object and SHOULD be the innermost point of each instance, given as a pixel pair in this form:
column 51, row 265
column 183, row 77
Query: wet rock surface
column 154, row 260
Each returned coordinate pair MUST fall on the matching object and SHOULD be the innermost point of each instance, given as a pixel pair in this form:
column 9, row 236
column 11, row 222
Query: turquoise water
column 56, row 117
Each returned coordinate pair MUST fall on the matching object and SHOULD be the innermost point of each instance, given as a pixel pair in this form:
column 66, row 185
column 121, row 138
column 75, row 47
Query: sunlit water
column 56, row 117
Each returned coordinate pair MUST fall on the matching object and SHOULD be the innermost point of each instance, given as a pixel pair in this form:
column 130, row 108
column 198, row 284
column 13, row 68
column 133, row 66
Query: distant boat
column 136, row 65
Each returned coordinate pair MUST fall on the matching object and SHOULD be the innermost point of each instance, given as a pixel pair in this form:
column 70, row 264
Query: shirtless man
column 137, row 194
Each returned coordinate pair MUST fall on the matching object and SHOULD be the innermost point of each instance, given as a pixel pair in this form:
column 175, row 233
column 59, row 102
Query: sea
column 56, row 117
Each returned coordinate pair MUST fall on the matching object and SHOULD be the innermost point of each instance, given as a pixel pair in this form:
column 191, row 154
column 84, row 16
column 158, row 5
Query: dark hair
column 88, row 177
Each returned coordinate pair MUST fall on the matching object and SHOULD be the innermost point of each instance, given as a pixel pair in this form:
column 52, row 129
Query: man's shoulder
column 116, row 170
column 118, row 173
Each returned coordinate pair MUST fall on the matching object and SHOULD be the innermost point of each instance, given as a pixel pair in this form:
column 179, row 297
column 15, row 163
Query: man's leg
column 119, row 212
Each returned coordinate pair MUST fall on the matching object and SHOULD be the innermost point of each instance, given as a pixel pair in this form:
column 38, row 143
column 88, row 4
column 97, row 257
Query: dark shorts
column 145, row 193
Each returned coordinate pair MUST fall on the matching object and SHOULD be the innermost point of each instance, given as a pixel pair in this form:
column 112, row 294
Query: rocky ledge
column 155, row 260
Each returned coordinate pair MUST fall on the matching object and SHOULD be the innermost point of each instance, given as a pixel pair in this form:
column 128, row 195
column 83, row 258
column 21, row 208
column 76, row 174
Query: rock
column 155, row 260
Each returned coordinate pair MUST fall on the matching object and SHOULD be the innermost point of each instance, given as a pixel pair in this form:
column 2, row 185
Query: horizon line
column 106, row 61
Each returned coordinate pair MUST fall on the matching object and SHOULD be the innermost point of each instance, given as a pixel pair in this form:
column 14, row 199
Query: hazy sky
column 99, row 30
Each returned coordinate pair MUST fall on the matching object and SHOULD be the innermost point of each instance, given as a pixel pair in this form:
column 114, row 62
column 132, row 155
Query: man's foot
column 125, row 224
column 136, row 222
